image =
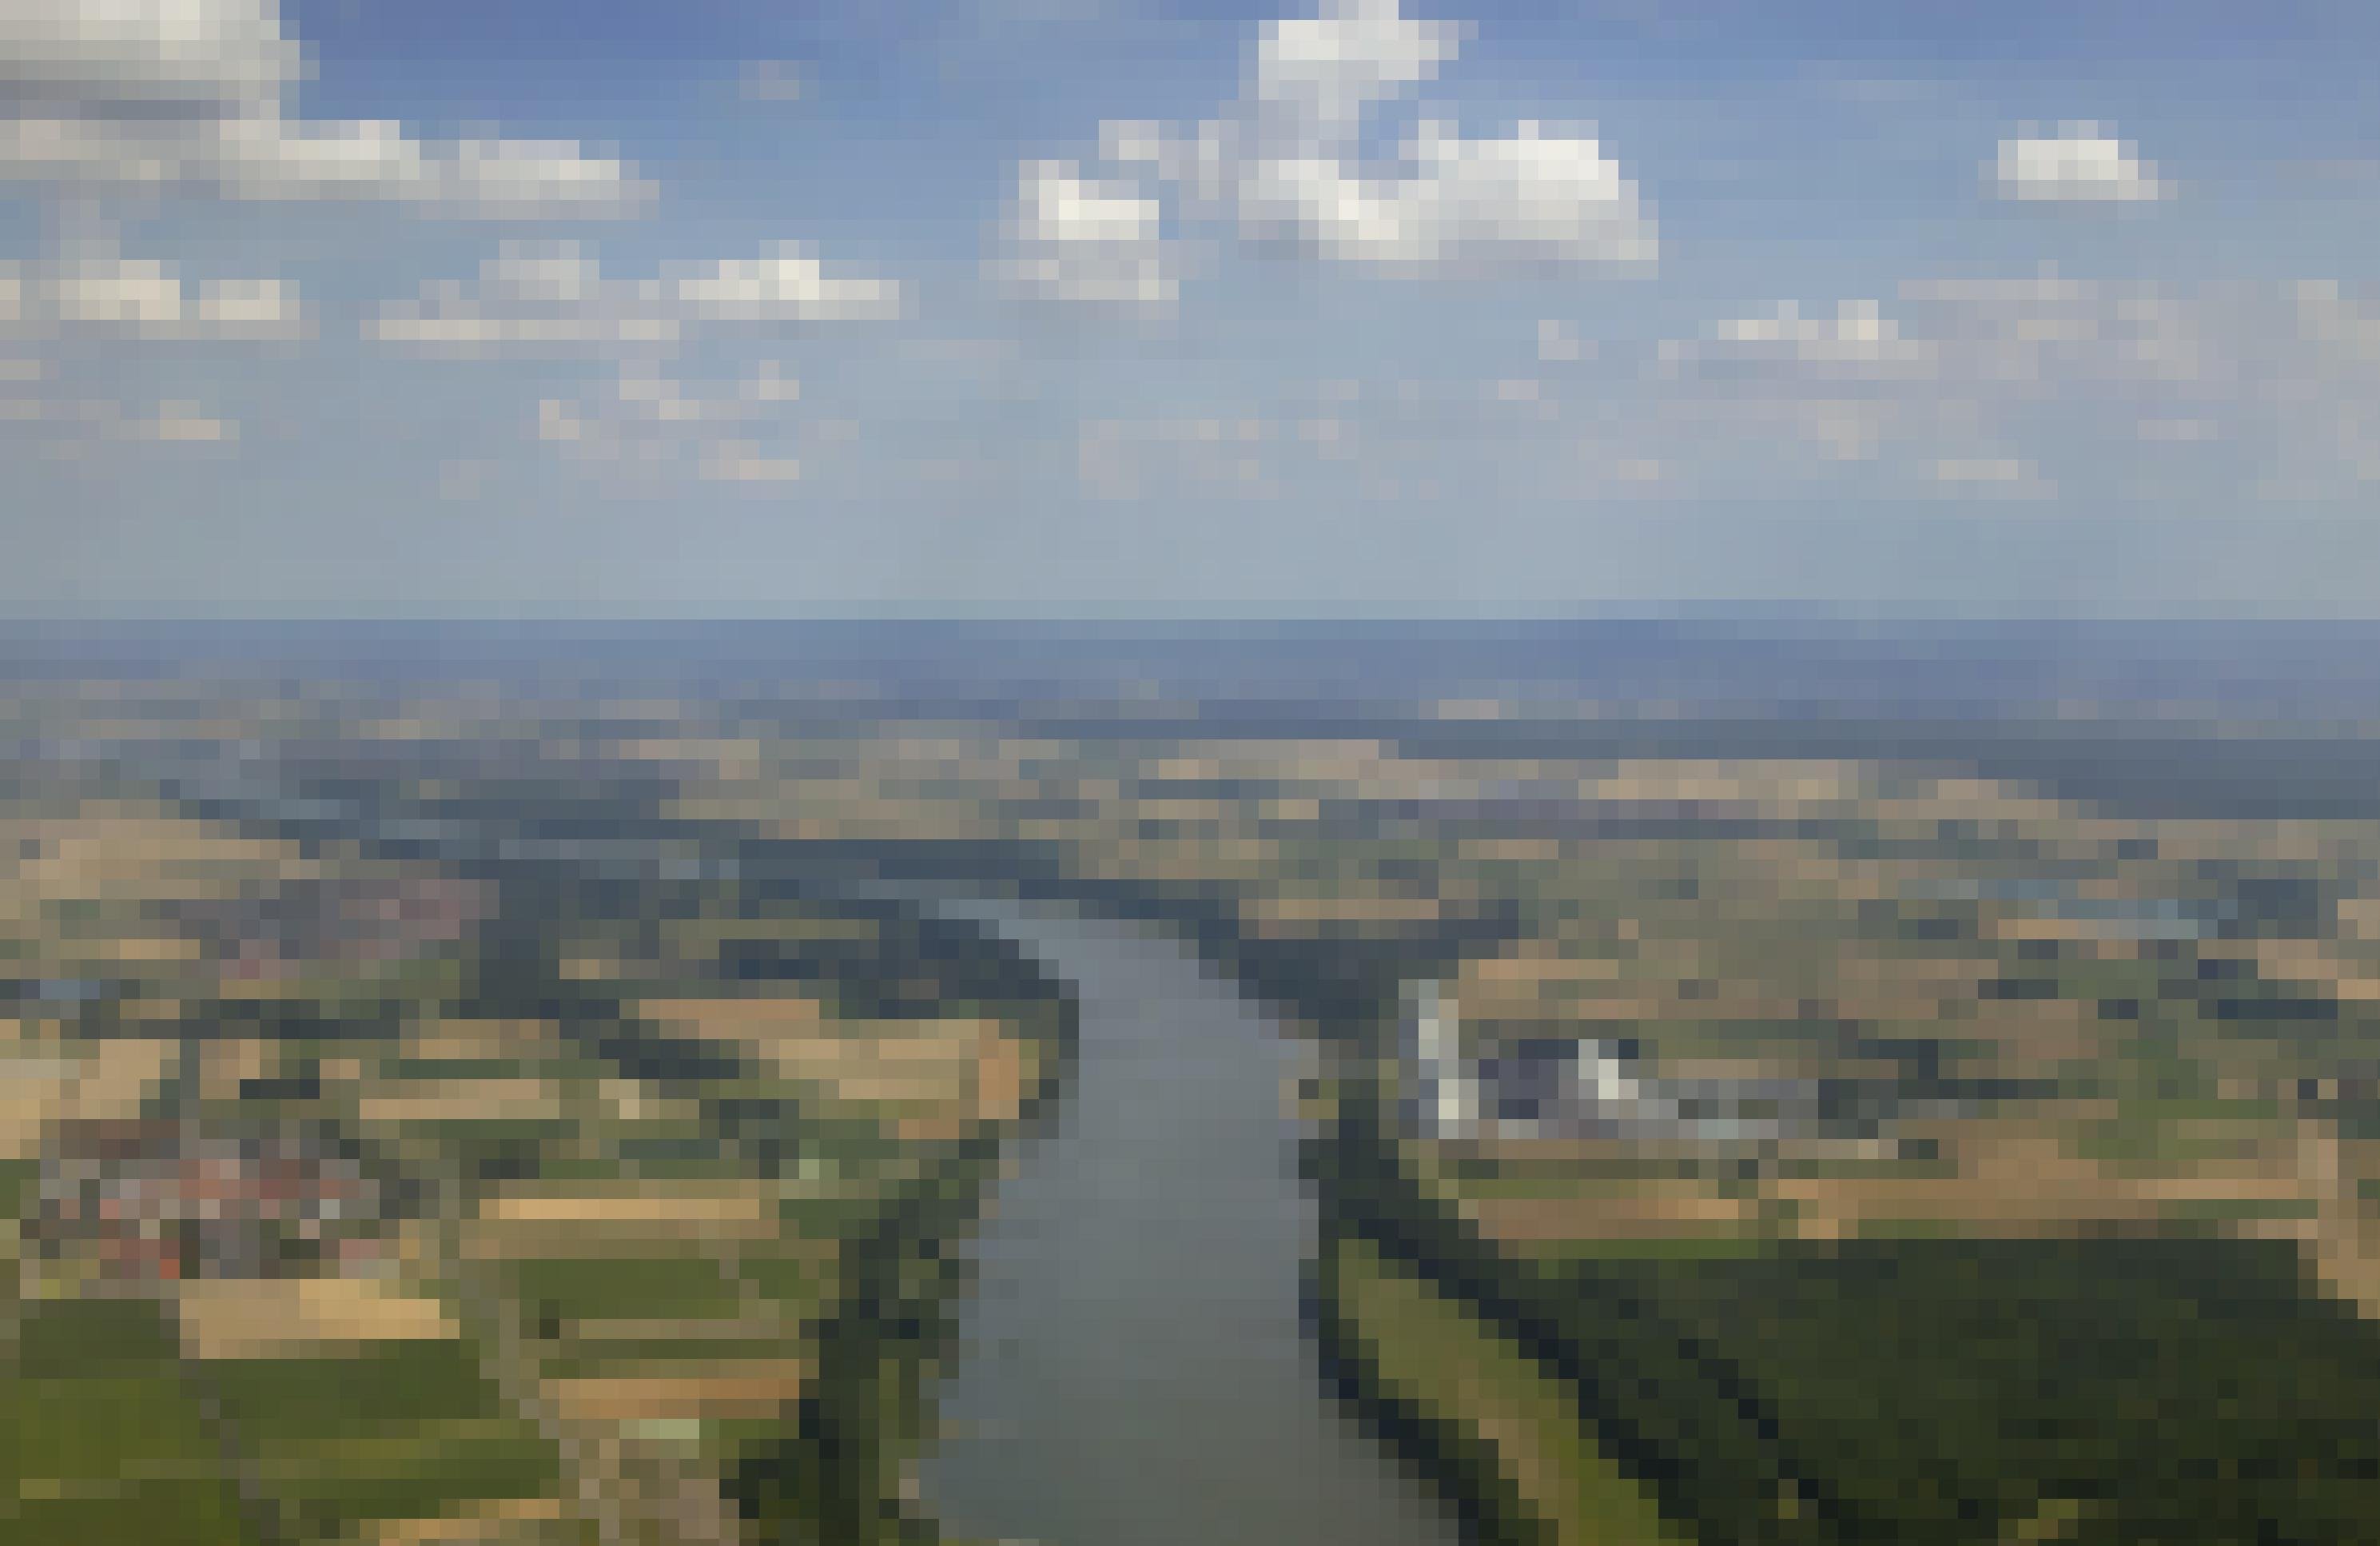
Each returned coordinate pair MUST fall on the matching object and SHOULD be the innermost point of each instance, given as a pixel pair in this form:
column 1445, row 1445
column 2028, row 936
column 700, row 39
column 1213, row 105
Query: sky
column 1180, row 307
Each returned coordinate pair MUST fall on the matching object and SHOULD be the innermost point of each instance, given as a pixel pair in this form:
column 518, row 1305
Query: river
column 1131, row 1367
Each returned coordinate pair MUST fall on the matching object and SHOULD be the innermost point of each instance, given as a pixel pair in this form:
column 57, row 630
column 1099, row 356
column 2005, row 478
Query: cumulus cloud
column 646, row 420
column 1323, row 72
column 199, row 94
column 1453, row 202
column 785, row 284
column 2080, row 163
column 111, row 297
column 537, row 297
column 1283, row 166
column 1097, row 242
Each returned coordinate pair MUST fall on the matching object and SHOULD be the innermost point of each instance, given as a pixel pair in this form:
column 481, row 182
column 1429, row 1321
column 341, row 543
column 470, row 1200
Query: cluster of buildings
column 146, row 1202
column 1539, row 1085
column 349, row 920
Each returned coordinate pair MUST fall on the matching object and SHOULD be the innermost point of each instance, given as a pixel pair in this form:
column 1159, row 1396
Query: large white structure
column 1445, row 1103
column 1560, row 1086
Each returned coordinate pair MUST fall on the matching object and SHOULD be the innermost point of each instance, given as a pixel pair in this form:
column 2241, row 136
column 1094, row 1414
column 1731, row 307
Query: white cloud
column 534, row 297
column 1528, row 197
column 2113, row 390
column 2015, row 337
column 787, row 284
column 110, row 296
column 224, row 56
column 1284, row 158
column 183, row 423
column 2080, row 163
column 65, row 426
column 1326, row 70
column 1095, row 242
column 123, row 94
column 1282, row 166
column 277, row 160
column 1858, row 340
column 2045, row 329
column 645, row 425
column 643, row 420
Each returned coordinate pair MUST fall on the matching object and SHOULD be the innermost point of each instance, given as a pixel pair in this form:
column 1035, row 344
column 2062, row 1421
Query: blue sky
column 742, row 309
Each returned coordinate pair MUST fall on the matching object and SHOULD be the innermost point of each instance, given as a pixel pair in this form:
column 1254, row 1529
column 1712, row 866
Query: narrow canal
column 1132, row 1369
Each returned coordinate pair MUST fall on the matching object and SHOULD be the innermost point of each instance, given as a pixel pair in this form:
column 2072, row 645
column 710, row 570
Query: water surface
column 1132, row 1369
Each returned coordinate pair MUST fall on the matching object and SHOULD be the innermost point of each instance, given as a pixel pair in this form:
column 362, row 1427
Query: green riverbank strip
column 1430, row 1353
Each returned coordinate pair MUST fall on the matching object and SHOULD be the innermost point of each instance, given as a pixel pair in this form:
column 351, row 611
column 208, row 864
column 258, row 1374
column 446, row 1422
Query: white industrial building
column 1555, row 1086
